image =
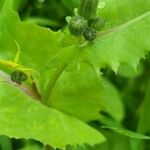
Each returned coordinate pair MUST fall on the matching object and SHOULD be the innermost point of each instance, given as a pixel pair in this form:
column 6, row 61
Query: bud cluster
column 87, row 23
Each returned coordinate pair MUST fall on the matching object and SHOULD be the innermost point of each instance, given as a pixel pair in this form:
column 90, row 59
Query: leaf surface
column 72, row 75
column 128, row 133
column 23, row 117
column 63, row 67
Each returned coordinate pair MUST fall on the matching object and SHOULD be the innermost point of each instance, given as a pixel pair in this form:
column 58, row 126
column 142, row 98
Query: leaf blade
column 21, row 117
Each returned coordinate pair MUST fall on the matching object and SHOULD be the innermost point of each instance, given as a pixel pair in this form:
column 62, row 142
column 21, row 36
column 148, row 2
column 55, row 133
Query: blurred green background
column 48, row 13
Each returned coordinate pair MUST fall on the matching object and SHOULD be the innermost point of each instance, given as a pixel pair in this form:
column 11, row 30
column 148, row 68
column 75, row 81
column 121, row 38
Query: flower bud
column 77, row 25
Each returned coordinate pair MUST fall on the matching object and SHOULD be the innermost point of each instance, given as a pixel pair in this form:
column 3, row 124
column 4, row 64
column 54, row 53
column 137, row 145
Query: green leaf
column 37, row 44
column 115, row 141
column 32, row 145
column 108, row 52
column 1, row 4
column 128, row 133
column 72, row 82
column 78, row 72
column 118, row 12
column 23, row 117
column 5, row 143
column 128, row 72
column 95, row 96
column 47, row 46
column 144, row 122
column 128, row 25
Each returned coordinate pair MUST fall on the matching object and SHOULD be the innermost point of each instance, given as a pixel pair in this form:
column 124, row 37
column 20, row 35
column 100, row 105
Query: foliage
column 74, row 86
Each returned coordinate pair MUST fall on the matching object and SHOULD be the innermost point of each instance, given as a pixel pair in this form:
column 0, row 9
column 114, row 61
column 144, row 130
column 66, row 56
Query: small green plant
column 74, row 75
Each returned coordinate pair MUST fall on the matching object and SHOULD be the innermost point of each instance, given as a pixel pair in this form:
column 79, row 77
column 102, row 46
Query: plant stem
column 62, row 60
column 88, row 9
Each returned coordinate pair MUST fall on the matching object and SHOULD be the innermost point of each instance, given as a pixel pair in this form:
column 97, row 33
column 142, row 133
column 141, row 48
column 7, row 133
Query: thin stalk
column 62, row 60
column 88, row 9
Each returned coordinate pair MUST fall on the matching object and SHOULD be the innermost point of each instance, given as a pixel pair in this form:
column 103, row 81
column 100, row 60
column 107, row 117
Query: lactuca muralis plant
column 63, row 70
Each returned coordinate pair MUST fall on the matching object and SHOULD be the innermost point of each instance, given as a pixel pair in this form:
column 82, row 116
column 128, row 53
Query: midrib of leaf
column 125, row 25
column 67, row 55
column 54, row 80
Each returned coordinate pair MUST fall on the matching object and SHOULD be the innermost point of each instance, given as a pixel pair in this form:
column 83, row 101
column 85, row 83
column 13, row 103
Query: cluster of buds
column 87, row 23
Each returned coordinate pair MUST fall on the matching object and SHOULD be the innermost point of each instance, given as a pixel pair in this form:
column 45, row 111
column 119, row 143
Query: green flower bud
column 90, row 34
column 97, row 23
column 77, row 25
column 18, row 77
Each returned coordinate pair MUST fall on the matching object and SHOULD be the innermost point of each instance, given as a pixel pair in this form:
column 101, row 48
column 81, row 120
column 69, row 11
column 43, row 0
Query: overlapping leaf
column 112, row 48
column 23, row 117
column 118, row 12
column 37, row 46
column 72, row 83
